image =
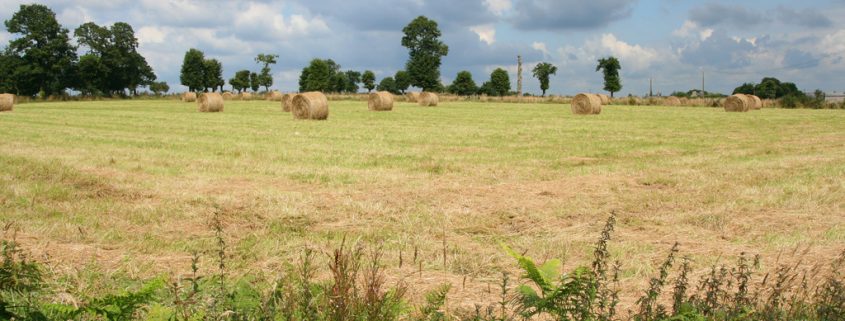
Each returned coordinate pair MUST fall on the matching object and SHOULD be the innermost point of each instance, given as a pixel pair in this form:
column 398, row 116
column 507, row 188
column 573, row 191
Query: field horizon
column 128, row 188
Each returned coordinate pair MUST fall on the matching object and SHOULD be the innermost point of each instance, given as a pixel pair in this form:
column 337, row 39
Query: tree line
column 43, row 61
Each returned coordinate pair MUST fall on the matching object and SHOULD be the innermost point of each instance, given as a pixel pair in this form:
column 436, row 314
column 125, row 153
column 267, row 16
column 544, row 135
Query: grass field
column 127, row 188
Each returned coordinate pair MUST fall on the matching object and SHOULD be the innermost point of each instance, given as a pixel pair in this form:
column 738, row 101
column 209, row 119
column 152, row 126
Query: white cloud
column 262, row 19
column 498, row 7
column 833, row 44
column 541, row 47
column 151, row 35
column 486, row 33
column 635, row 57
column 73, row 17
column 691, row 29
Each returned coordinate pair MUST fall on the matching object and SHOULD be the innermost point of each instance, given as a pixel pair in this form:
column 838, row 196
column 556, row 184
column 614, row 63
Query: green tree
column 265, row 79
column 403, row 80
column 463, row 84
column 213, row 75
column 542, row 71
column 388, row 84
column 116, row 47
column 422, row 38
column 159, row 88
column 339, row 82
column 610, row 67
column 241, row 81
column 317, row 76
column 92, row 75
column 746, row 88
column 488, row 89
column 46, row 58
column 253, row 82
column 369, row 80
column 193, row 70
column 353, row 79
column 500, row 82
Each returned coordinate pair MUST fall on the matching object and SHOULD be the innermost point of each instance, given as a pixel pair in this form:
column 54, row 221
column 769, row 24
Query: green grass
column 131, row 184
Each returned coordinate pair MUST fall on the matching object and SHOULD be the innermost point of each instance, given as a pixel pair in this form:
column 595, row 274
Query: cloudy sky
column 671, row 41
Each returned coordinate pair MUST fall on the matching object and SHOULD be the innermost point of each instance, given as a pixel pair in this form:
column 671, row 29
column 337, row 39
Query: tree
column 403, row 80
column 317, row 76
column 369, row 80
column 487, row 89
column 241, row 81
column 463, row 84
column 422, row 38
column 353, row 78
column 339, row 82
column 213, row 75
column 253, row 82
column 193, row 70
column 159, row 88
column 265, row 78
column 500, row 82
column 116, row 49
column 542, row 71
column 44, row 59
column 388, row 84
column 610, row 67
column 746, row 88
column 93, row 75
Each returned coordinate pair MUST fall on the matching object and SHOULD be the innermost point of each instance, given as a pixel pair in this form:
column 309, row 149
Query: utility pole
column 650, row 92
column 519, row 77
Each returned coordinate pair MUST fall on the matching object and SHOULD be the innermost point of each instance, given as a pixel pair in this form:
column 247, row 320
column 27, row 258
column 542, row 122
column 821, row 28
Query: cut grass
column 131, row 185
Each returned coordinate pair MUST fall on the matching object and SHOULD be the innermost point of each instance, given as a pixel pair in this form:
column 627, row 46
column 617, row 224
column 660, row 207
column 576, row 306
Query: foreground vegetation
column 356, row 290
column 108, row 194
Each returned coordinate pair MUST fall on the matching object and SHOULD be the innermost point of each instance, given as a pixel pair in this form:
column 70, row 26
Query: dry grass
column 128, row 187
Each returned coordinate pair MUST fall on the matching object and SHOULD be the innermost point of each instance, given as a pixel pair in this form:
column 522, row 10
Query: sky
column 673, row 43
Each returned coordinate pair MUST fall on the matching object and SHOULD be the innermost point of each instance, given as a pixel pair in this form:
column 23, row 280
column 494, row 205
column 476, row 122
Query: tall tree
column 265, row 78
column 403, row 80
column 388, row 84
column 463, row 84
column 317, row 76
column 193, row 70
column 253, row 82
column 369, row 80
column 500, row 82
column 339, row 82
column 213, row 75
column 45, row 58
column 353, row 79
column 422, row 38
column 241, row 81
column 116, row 47
column 542, row 71
column 610, row 67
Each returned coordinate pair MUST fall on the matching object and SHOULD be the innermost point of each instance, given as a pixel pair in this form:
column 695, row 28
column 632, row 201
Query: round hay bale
column 189, row 97
column 672, row 101
column 412, row 97
column 310, row 105
column 380, row 101
column 210, row 103
column 274, row 96
column 7, row 102
column 246, row 96
column 737, row 103
column 605, row 99
column 586, row 104
column 286, row 104
column 228, row 96
column 427, row 99
column 756, row 102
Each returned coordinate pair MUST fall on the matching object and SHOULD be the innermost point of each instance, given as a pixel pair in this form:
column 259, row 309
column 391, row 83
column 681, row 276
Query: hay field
column 127, row 188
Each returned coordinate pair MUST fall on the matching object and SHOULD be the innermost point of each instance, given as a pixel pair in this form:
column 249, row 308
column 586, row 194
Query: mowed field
column 110, row 189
